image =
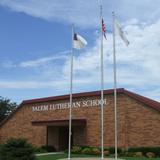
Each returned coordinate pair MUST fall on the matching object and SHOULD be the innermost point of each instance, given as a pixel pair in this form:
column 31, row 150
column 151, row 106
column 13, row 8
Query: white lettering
column 62, row 106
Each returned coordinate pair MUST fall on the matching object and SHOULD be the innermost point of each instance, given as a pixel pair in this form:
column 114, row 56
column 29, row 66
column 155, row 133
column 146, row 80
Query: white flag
column 121, row 33
column 79, row 42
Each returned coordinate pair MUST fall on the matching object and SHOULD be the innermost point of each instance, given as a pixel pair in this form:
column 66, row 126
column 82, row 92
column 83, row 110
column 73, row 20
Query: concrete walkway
column 48, row 153
column 90, row 159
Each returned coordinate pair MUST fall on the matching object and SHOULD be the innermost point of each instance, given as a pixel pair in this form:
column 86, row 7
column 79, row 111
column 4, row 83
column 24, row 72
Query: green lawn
column 58, row 156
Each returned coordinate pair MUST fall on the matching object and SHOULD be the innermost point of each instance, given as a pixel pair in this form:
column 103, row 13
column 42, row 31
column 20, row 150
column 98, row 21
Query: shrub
column 138, row 154
column 106, row 153
column 39, row 150
column 112, row 150
column 144, row 150
column 66, row 151
column 48, row 148
column 76, row 149
column 17, row 149
column 150, row 154
column 106, row 148
column 129, row 154
column 95, row 151
column 86, row 151
column 83, row 147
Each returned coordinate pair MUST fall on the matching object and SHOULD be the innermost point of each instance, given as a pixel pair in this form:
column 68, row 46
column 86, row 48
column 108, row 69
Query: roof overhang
column 59, row 122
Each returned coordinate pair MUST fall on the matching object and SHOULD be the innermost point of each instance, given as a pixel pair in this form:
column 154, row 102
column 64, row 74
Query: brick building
column 45, row 121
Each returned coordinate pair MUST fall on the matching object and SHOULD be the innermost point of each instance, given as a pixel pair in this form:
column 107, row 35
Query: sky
column 35, row 47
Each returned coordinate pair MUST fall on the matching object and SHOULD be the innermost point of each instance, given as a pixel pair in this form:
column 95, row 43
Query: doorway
column 63, row 138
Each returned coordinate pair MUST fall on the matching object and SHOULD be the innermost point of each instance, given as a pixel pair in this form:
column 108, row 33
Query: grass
column 59, row 156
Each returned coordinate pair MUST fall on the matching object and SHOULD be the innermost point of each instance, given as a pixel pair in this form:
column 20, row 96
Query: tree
column 6, row 107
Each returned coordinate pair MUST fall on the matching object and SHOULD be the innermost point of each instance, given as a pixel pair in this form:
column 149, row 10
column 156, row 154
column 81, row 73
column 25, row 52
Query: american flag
column 104, row 29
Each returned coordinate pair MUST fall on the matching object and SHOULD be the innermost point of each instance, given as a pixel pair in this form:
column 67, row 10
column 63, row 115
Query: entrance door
column 63, row 138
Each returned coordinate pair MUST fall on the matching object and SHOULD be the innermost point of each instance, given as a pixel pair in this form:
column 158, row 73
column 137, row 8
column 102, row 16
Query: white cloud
column 44, row 60
column 75, row 11
column 38, row 84
column 138, row 65
column 36, row 62
column 22, row 84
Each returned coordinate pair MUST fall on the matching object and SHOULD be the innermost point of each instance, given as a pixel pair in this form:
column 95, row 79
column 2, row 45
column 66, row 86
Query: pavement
column 48, row 153
column 92, row 158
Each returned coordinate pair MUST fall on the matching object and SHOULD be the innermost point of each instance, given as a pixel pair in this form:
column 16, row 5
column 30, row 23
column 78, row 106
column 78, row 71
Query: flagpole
column 71, row 88
column 115, row 87
column 102, row 88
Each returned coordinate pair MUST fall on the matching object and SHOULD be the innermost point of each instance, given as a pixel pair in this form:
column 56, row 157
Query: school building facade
column 45, row 121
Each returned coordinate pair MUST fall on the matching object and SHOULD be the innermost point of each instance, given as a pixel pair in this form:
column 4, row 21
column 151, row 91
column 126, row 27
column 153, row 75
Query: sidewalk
column 48, row 153
column 90, row 159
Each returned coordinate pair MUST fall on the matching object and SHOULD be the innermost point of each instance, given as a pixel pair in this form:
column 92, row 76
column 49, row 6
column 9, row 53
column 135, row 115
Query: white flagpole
column 115, row 88
column 71, row 87
column 102, row 88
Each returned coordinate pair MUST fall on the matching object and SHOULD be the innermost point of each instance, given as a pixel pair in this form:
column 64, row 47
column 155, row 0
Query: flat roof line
column 75, row 95
column 149, row 102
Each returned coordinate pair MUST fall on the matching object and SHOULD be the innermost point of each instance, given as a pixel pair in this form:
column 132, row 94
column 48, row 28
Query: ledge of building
column 60, row 122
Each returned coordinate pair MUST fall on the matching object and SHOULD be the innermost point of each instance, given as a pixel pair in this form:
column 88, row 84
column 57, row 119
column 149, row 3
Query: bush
column 83, row 147
column 48, row 148
column 95, row 151
column 39, row 150
column 150, row 155
column 145, row 150
column 76, row 149
column 112, row 150
column 66, row 151
column 17, row 149
column 138, row 154
column 106, row 153
column 129, row 154
column 86, row 151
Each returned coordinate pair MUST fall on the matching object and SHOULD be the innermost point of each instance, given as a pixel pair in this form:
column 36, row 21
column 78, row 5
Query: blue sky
column 35, row 44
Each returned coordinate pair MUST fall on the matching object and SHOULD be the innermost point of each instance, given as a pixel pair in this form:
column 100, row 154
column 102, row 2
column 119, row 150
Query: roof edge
column 149, row 102
column 75, row 95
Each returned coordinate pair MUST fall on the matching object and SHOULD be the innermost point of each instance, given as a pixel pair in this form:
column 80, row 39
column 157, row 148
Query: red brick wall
column 138, row 124
column 79, row 137
column 142, row 125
